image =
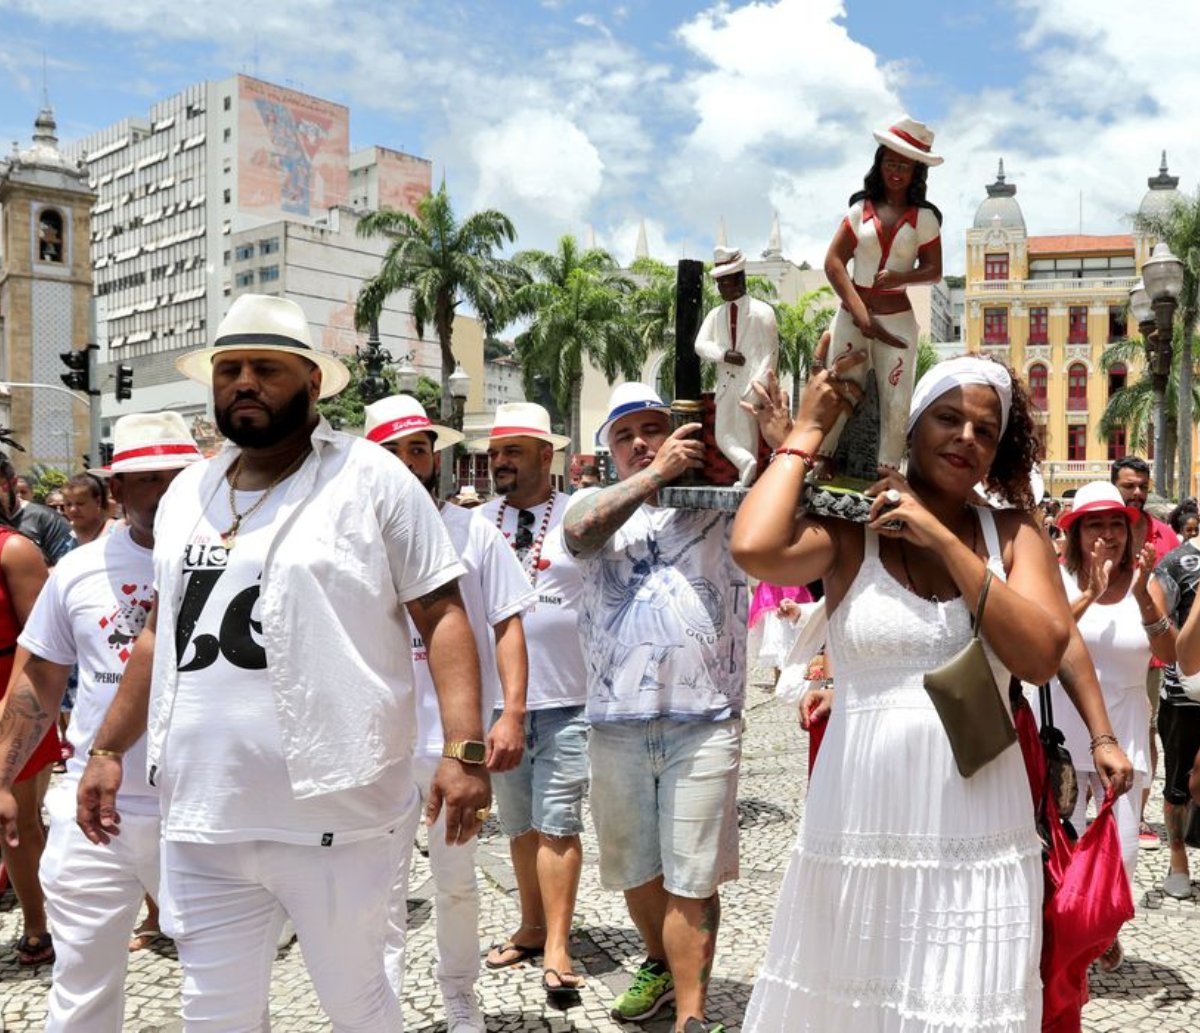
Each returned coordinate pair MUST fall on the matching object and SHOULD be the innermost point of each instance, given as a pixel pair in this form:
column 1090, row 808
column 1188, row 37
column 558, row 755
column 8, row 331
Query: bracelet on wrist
column 1103, row 740
column 799, row 453
column 1158, row 627
column 106, row 753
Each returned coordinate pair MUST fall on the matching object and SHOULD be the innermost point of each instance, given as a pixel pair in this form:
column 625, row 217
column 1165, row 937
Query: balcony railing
column 1106, row 283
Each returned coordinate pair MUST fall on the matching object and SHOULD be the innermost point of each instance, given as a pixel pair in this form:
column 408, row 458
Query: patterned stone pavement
column 1156, row 990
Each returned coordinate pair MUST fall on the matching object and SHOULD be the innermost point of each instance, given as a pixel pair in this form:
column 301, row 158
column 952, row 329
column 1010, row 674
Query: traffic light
column 76, row 361
column 124, row 383
column 106, row 453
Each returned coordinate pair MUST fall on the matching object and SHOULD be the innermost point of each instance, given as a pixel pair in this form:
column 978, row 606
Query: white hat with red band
column 1096, row 497
column 149, row 441
column 521, row 420
column 910, row 138
column 398, row 416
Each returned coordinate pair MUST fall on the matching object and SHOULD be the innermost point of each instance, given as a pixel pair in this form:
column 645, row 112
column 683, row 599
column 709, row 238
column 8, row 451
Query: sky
column 570, row 114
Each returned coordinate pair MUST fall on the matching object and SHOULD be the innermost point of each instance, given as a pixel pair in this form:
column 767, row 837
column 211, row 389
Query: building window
column 1038, row 381
column 995, row 267
column 243, row 252
column 1116, row 323
column 50, row 236
column 245, row 279
column 1116, row 445
column 226, row 195
column 226, row 135
column 268, row 273
column 226, row 258
column 1077, row 324
column 995, row 326
column 1077, row 442
column 227, row 103
column 1039, row 326
column 268, row 247
column 1077, row 381
column 1117, row 376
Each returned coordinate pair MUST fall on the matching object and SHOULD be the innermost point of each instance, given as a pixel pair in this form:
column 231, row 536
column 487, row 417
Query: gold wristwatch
column 467, row 750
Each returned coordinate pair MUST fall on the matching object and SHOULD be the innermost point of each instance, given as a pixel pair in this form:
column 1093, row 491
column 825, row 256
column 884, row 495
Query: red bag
column 1087, row 897
column 816, row 732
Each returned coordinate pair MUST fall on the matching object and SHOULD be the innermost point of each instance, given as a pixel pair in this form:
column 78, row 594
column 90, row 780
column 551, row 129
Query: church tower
column 45, row 296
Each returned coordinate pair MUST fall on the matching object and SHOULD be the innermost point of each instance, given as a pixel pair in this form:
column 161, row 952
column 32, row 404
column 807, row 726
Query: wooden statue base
column 829, row 500
column 702, row 496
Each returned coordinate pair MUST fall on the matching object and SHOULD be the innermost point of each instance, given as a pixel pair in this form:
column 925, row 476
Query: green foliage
column 344, row 411
column 800, row 327
column 955, row 281
column 44, row 479
column 927, row 356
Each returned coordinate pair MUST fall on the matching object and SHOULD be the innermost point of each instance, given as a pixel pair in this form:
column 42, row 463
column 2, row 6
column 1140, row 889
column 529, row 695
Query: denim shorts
column 545, row 791
column 665, row 802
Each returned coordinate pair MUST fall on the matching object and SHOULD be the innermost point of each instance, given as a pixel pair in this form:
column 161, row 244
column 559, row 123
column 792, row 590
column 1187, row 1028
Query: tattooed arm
column 1078, row 677
column 593, row 520
column 461, row 788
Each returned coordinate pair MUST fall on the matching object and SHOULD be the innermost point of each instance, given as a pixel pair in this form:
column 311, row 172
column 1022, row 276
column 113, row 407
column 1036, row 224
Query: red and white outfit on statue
column 895, row 370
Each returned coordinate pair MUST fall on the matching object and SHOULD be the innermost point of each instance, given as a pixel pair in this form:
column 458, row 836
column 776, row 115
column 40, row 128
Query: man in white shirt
column 541, row 800
column 278, row 706
column 495, row 592
column 89, row 613
column 663, row 623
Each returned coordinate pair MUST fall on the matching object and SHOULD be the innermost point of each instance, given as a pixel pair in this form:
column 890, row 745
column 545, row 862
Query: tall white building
column 219, row 167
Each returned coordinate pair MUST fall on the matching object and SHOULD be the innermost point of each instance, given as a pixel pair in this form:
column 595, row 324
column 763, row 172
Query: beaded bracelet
column 1103, row 740
column 799, row 453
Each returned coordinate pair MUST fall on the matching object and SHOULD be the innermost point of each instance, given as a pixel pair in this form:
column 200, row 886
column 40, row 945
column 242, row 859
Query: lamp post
column 1153, row 300
column 373, row 386
column 407, row 375
column 460, row 387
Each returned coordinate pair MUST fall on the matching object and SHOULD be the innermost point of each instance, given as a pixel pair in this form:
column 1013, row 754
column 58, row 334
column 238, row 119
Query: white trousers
column 456, row 903
column 225, row 905
column 93, row 895
column 1126, row 813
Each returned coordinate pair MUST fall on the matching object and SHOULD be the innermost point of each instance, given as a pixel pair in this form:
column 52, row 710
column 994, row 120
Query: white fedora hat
column 910, row 138
column 149, row 441
column 727, row 261
column 259, row 322
column 521, row 420
column 398, row 416
column 628, row 398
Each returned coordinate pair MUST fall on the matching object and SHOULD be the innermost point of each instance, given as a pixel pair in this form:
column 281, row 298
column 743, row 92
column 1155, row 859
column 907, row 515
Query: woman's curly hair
column 1019, row 450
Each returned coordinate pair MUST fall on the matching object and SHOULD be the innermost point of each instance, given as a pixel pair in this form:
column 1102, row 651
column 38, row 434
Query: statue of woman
column 893, row 236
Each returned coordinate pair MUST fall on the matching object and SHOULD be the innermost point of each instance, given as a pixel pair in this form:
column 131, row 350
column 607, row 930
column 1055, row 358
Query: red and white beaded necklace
column 530, row 563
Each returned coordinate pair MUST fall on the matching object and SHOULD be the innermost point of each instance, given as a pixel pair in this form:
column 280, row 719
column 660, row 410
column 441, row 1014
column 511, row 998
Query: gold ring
column 483, row 814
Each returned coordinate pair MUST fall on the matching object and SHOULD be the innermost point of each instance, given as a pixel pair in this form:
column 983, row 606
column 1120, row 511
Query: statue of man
column 741, row 338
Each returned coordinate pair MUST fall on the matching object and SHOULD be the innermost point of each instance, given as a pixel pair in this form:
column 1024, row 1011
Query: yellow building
column 1049, row 306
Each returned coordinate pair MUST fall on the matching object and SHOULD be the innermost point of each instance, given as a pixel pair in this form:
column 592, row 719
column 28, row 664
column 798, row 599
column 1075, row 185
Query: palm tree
column 1180, row 229
column 442, row 262
column 653, row 313
column 577, row 306
column 800, row 327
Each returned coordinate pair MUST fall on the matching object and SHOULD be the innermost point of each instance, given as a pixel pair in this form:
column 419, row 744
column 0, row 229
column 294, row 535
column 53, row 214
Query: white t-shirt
column 663, row 619
column 493, row 588
column 223, row 775
column 556, row 673
column 88, row 613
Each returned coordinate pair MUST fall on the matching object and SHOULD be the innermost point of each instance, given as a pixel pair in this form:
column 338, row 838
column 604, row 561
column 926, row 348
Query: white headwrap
column 952, row 373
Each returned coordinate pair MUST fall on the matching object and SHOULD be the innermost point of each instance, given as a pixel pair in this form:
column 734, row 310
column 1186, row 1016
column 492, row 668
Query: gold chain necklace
column 229, row 538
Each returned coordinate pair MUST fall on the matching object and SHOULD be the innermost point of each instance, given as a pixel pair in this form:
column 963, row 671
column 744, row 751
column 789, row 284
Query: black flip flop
column 563, row 995
column 522, row 954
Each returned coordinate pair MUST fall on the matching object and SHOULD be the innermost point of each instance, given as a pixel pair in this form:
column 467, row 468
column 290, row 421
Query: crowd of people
column 344, row 654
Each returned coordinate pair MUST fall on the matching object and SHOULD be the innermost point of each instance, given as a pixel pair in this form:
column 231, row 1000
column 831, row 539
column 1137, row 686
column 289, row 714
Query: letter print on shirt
column 239, row 638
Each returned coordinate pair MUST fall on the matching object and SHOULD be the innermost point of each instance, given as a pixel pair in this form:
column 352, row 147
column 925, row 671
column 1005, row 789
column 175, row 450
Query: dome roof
column 44, row 152
column 1000, row 208
column 1163, row 193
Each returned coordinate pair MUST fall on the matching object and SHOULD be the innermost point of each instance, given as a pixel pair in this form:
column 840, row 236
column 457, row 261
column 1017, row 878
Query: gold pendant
column 229, row 538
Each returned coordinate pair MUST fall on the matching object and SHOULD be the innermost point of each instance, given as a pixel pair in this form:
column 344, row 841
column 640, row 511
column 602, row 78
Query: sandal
column 1111, row 959
column 143, row 937
column 35, row 950
column 519, row 953
column 564, row 993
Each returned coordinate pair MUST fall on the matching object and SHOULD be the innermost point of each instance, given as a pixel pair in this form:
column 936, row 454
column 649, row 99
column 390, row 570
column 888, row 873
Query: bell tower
column 45, row 295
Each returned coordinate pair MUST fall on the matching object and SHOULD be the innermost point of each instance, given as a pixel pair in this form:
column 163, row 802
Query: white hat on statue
column 910, row 138
column 727, row 261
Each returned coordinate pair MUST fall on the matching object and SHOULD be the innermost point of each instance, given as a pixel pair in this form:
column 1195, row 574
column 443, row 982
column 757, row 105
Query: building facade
column 1050, row 306
column 218, row 168
column 45, row 298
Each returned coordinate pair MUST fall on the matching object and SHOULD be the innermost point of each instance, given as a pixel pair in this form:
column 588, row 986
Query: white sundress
column 913, row 898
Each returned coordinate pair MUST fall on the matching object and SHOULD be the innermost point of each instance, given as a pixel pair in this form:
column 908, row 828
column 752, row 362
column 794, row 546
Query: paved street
column 1156, row 990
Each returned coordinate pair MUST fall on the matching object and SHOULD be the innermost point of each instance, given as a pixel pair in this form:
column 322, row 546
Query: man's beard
column 281, row 424
column 430, row 483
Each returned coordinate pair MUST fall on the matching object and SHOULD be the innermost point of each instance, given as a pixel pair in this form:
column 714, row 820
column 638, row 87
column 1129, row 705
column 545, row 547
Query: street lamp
column 407, row 375
column 1153, row 300
column 373, row 386
column 460, row 387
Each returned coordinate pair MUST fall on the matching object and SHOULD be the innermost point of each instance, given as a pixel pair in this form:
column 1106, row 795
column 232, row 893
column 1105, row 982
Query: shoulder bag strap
column 983, row 594
column 1046, row 705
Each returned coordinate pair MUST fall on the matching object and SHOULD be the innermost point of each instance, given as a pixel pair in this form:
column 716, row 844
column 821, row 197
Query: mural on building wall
column 403, row 180
column 293, row 149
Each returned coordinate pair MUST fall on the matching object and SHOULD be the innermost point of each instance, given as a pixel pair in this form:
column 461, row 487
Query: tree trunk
column 444, row 320
column 1186, row 420
column 576, row 416
column 1167, row 491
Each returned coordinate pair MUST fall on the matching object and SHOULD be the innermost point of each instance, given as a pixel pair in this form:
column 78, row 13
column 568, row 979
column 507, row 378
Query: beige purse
column 965, row 696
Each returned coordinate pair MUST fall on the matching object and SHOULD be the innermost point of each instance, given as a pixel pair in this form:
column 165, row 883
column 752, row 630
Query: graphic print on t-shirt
column 127, row 620
column 239, row 636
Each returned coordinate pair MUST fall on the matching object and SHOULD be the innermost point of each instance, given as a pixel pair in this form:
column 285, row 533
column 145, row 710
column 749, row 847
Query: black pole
column 688, row 312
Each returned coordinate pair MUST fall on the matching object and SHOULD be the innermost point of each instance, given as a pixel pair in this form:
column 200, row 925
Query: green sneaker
column 653, row 986
column 694, row 1025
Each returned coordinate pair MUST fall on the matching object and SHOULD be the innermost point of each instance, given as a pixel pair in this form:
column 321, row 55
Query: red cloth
column 768, row 597
column 1087, row 893
column 1161, row 536
column 816, row 732
column 49, row 749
